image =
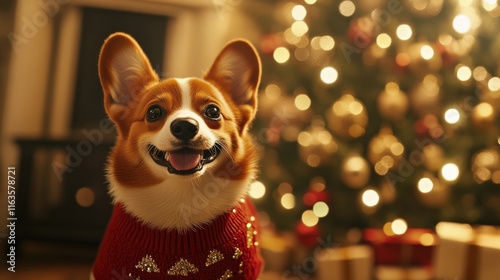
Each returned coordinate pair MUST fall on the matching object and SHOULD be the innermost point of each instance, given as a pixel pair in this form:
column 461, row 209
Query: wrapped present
column 413, row 248
column 403, row 273
column 345, row 263
column 276, row 249
column 467, row 253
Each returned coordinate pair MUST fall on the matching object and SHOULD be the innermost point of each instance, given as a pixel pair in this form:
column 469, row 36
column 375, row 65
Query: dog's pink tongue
column 184, row 159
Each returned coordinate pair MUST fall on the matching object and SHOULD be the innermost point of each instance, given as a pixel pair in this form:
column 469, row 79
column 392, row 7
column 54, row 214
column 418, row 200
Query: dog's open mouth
column 184, row 161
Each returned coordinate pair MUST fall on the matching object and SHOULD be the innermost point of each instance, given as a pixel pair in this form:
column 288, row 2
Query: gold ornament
column 425, row 96
column 432, row 191
column 147, row 264
column 182, row 268
column 433, row 157
column 483, row 116
column 385, row 151
column 392, row 102
column 355, row 171
column 240, row 271
column 486, row 166
column 213, row 257
column 387, row 191
column 316, row 145
column 347, row 117
column 423, row 57
column 227, row 275
column 237, row 253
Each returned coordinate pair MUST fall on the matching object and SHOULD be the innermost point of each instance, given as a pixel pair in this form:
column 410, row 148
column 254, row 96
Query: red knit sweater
column 224, row 249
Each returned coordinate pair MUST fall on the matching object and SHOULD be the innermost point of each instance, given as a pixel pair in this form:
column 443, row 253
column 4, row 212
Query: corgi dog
column 181, row 166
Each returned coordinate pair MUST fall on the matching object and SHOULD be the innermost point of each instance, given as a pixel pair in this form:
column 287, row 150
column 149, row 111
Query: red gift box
column 413, row 248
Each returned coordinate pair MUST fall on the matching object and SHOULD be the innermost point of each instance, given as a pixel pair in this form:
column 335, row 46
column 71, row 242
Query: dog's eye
column 154, row 113
column 212, row 112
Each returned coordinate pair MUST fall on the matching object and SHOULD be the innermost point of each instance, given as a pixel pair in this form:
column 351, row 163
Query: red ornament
column 361, row 32
column 308, row 236
column 313, row 196
column 409, row 248
column 448, row 57
column 270, row 42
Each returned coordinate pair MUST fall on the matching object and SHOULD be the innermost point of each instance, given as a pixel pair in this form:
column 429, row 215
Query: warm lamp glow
column 302, row 102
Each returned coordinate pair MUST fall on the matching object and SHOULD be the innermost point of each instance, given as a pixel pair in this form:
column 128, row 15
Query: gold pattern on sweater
column 147, row 264
column 227, row 275
column 237, row 253
column 213, row 257
column 183, row 268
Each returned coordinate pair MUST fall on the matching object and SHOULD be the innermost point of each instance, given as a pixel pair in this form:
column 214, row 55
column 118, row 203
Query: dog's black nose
column 184, row 129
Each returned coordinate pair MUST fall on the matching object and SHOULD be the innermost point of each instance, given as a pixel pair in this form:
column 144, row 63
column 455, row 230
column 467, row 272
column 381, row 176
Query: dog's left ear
column 236, row 71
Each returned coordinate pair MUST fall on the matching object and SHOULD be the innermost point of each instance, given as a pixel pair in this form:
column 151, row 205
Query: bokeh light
column 464, row 73
column 452, row 116
column 370, row 198
column 288, row 201
column 299, row 28
column 299, row 12
column 281, row 54
column 404, row 32
column 347, row 8
column 321, row 209
column 462, row 23
column 329, row 75
column 450, row 172
column 399, row 226
column 309, row 218
column 494, row 84
column 427, row 52
column 257, row 190
column 425, row 185
column 302, row 102
column 384, row 40
column 326, row 43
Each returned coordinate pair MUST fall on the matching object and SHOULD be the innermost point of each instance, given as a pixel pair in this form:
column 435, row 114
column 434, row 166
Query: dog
column 180, row 168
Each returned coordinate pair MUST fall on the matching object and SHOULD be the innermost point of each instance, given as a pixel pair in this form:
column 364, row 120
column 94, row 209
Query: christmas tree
column 374, row 113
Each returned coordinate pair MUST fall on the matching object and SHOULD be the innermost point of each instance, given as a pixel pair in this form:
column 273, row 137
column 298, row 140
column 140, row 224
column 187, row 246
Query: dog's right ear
column 124, row 71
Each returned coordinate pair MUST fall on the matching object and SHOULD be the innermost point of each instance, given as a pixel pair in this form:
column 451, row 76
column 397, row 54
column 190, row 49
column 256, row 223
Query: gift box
column 467, row 253
column 403, row 273
column 413, row 248
column 276, row 250
column 345, row 263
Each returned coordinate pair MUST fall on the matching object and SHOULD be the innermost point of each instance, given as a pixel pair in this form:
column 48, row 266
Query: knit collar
column 221, row 230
